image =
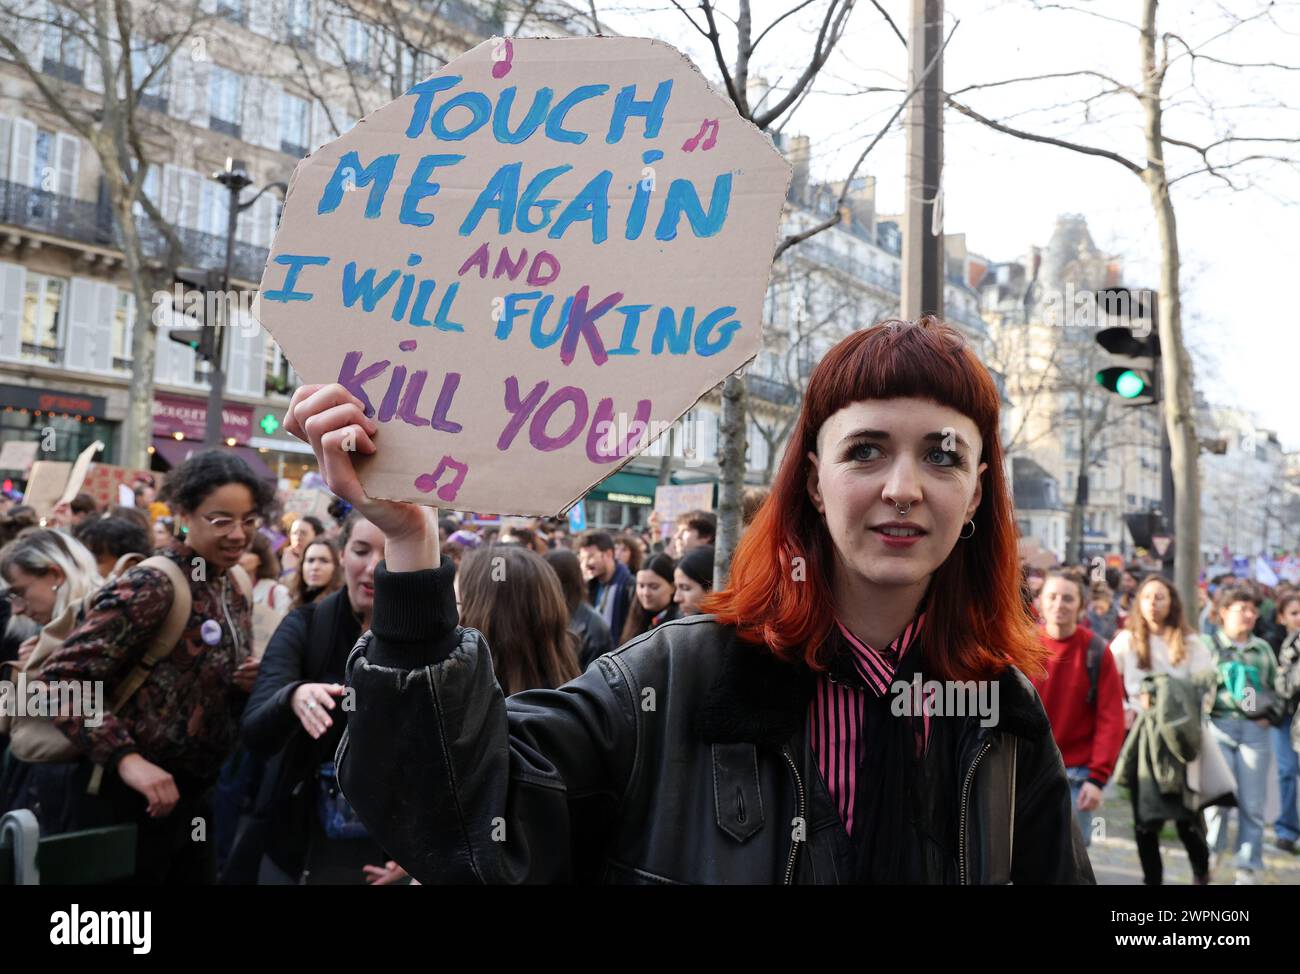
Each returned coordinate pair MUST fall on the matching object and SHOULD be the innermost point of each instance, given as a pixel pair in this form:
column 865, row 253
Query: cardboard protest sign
column 105, row 482
column 674, row 499
column 54, row 482
column 528, row 266
column 77, row 476
column 18, row 454
column 315, row 503
column 45, row 483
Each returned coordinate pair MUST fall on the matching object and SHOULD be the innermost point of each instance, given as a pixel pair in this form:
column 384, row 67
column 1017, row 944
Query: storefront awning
column 626, row 487
column 175, row 452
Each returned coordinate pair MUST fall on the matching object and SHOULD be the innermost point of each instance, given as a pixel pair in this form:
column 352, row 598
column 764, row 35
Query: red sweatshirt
column 1087, row 735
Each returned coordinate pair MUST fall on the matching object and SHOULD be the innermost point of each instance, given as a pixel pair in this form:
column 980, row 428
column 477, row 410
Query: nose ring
column 902, row 511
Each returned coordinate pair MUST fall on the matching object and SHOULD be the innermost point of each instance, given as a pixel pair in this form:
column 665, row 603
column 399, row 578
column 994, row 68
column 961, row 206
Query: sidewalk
column 1115, row 861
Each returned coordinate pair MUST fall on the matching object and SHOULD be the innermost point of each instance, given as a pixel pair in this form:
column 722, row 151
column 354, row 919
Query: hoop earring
column 967, row 537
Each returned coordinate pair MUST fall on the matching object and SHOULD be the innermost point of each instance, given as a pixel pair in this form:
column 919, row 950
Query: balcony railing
column 92, row 223
column 817, row 252
column 770, row 390
column 225, row 127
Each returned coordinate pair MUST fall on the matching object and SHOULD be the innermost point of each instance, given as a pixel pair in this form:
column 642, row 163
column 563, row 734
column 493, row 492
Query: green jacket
column 1163, row 739
column 1252, row 667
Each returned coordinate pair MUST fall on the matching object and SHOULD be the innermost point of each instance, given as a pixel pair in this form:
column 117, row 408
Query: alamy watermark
column 57, row 698
column 1081, row 308
column 230, row 309
column 946, row 698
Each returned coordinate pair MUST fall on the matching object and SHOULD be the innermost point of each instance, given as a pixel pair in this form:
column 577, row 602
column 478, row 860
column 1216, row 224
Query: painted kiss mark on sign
column 543, row 241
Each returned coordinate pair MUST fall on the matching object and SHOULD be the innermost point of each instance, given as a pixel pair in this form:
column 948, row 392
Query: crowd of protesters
column 1193, row 714
column 236, row 721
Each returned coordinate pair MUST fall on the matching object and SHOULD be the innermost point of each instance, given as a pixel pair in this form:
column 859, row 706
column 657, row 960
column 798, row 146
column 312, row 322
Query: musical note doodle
column 503, row 55
column 447, row 492
column 709, row 125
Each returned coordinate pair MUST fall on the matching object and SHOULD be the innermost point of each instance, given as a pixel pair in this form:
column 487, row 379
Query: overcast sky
column 1240, row 249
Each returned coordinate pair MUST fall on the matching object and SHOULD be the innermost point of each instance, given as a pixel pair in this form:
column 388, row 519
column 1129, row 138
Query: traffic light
column 203, row 339
column 1133, row 343
column 1127, row 383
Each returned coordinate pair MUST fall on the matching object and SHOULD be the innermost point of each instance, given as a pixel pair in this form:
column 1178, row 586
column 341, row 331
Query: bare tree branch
column 832, row 29
column 1119, row 85
column 890, row 21
column 1046, row 139
column 793, row 10
column 796, row 238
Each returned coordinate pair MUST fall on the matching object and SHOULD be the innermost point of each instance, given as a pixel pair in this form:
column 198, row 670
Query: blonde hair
column 37, row 550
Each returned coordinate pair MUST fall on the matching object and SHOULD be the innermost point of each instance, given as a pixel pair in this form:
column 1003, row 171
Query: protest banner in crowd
column 528, row 266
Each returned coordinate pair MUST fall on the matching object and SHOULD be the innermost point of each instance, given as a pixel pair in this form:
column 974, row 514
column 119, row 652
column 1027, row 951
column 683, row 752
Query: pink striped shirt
column 837, row 711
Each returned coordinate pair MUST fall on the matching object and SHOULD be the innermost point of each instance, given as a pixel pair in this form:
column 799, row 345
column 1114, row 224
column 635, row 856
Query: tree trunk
column 138, row 428
column 1176, row 371
column 731, row 459
column 1176, row 383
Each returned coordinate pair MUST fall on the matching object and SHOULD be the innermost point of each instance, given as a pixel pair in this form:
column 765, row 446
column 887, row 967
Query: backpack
column 35, row 739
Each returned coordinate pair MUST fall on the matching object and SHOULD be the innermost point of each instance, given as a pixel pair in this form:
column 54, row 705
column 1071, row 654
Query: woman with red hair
column 852, row 708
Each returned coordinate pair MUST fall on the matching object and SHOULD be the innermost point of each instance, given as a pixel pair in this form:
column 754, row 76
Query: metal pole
column 924, row 261
column 217, row 373
column 234, row 178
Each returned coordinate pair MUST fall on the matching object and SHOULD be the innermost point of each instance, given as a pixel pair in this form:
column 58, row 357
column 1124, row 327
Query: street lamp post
column 234, row 177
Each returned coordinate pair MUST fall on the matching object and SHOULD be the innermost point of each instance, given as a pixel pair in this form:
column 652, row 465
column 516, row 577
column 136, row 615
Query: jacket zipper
column 794, row 845
column 965, row 797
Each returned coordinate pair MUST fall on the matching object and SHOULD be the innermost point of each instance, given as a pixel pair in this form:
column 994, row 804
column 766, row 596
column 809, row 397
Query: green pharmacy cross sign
column 270, row 424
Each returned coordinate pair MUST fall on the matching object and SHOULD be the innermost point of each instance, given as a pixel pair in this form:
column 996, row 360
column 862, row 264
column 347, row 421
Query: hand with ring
column 311, row 704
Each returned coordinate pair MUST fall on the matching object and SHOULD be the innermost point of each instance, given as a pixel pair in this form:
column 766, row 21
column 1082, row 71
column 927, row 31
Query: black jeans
column 174, row 850
column 1190, row 830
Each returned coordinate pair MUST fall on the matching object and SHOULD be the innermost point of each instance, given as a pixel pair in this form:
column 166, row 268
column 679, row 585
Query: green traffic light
column 1130, row 385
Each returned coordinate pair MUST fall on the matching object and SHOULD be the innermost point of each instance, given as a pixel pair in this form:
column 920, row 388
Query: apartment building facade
column 1043, row 340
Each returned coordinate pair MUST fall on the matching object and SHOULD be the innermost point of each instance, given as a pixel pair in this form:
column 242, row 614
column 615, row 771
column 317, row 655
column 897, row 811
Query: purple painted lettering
column 544, row 261
column 353, row 381
column 406, row 412
column 518, row 409
column 388, row 407
column 439, row 420
column 477, row 259
column 603, row 424
column 537, row 434
column 582, row 323
column 504, row 265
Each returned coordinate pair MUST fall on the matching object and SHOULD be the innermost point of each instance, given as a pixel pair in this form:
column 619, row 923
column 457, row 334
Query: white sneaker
column 1245, row 877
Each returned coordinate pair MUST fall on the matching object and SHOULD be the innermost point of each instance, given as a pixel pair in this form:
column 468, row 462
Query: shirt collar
column 864, row 665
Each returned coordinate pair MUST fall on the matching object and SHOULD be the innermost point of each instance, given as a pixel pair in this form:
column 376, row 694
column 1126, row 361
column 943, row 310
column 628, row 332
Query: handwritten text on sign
column 511, row 260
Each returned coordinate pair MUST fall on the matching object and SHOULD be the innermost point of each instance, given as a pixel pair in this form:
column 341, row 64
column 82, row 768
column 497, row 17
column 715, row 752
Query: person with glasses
column 48, row 575
column 162, row 751
column 45, row 571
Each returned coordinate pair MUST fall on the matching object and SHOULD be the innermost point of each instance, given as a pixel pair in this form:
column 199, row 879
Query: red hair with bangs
column 975, row 614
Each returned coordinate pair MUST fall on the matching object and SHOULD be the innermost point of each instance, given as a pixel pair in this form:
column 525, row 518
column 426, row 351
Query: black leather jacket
column 679, row 758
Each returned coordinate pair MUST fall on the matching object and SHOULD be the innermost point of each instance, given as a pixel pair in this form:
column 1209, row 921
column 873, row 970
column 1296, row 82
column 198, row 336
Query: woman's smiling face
column 877, row 455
